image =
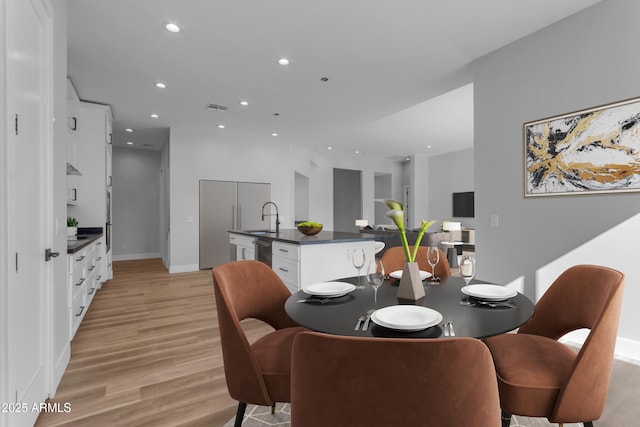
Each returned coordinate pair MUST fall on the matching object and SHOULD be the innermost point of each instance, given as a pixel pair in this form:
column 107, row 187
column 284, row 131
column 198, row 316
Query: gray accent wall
column 347, row 199
column 136, row 203
column 586, row 60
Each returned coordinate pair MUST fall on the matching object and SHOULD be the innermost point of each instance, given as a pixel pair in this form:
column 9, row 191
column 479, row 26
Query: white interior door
column 29, row 136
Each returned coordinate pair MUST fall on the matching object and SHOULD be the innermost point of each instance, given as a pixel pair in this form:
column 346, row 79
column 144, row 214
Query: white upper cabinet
column 108, row 126
column 73, row 161
column 73, row 102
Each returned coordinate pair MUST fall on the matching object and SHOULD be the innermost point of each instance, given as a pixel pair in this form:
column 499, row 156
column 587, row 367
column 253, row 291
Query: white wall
column 382, row 190
column 449, row 173
column 420, row 190
column 301, row 199
column 199, row 155
column 586, row 60
column 165, row 207
column 136, row 203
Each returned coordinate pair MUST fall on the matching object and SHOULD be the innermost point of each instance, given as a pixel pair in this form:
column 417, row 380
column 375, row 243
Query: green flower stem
column 405, row 245
column 425, row 226
column 416, row 246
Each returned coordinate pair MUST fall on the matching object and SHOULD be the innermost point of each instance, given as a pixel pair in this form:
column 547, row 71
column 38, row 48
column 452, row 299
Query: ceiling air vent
column 216, row 107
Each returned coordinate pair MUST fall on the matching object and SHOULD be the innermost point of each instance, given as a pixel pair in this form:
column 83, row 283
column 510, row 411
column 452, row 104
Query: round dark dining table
column 340, row 315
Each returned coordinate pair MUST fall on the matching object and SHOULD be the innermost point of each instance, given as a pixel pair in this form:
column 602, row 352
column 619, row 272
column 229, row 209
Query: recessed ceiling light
column 220, row 126
column 428, row 146
column 128, row 130
column 129, row 143
column 329, row 148
column 274, row 134
column 173, row 28
column 283, row 61
column 244, row 103
column 161, row 85
column 154, row 116
column 357, row 152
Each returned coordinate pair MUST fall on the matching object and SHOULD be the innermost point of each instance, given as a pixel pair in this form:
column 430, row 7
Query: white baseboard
column 59, row 367
column 184, row 268
column 129, row 257
column 626, row 350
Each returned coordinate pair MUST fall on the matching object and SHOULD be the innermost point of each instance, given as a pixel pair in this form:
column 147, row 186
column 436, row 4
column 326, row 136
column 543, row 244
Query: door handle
column 48, row 254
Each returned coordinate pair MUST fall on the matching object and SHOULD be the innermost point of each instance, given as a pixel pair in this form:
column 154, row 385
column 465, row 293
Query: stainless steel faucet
column 276, row 214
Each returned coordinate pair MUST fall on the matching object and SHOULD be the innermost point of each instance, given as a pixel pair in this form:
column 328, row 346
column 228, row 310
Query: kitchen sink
column 261, row 232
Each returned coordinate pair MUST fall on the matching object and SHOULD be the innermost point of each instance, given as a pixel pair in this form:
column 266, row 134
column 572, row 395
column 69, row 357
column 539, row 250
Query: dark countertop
column 297, row 238
column 84, row 238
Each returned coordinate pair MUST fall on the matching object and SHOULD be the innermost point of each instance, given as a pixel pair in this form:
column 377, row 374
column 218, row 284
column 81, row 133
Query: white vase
column 411, row 286
column 72, row 231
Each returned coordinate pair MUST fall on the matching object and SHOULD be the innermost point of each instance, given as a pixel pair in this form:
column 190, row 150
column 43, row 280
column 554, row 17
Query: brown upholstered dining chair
column 357, row 381
column 258, row 373
column 393, row 259
column 541, row 377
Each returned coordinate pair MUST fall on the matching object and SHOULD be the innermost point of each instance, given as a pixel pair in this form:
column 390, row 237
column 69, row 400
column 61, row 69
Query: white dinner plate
column 424, row 275
column 489, row 292
column 406, row 317
column 329, row 289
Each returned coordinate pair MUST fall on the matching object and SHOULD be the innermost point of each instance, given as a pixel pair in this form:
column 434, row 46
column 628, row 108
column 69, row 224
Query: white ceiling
column 389, row 65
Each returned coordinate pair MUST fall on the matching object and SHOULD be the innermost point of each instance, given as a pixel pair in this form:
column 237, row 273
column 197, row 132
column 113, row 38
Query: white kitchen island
column 301, row 260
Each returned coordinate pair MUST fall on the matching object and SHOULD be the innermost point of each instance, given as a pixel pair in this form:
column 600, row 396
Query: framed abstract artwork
column 590, row 151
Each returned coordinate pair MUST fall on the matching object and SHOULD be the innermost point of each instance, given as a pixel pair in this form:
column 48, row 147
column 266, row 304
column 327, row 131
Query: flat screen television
column 463, row 206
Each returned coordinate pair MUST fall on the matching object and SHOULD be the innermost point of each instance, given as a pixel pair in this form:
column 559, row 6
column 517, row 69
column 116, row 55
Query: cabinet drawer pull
column 91, row 291
column 98, row 278
column 284, row 250
column 98, row 258
column 98, row 244
column 91, row 268
column 80, row 312
column 80, row 259
column 283, row 269
column 80, row 282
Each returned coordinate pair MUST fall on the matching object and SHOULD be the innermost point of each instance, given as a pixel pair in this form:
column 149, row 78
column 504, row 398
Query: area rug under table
column 261, row 416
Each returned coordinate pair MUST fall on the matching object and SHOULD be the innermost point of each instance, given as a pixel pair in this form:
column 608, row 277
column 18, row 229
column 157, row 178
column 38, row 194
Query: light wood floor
column 148, row 353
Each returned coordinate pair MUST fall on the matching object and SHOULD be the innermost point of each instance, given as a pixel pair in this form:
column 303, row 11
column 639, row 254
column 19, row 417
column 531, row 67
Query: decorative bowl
column 309, row 230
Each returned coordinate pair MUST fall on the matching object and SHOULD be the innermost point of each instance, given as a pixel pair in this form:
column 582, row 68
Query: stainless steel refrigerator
column 229, row 205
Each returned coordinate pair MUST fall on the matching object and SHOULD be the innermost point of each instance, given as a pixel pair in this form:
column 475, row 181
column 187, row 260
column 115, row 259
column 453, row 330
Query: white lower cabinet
column 87, row 271
column 302, row 265
column 245, row 246
column 285, row 261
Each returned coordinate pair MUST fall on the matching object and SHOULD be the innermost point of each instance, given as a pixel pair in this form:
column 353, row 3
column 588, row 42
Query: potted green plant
column 72, row 226
column 410, row 286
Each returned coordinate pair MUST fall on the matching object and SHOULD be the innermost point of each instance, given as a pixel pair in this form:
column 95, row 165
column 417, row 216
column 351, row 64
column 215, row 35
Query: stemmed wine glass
column 358, row 258
column 375, row 277
column 467, row 268
column 433, row 256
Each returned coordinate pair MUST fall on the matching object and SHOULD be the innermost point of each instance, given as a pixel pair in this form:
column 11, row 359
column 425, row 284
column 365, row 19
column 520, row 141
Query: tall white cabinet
column 93, row 153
